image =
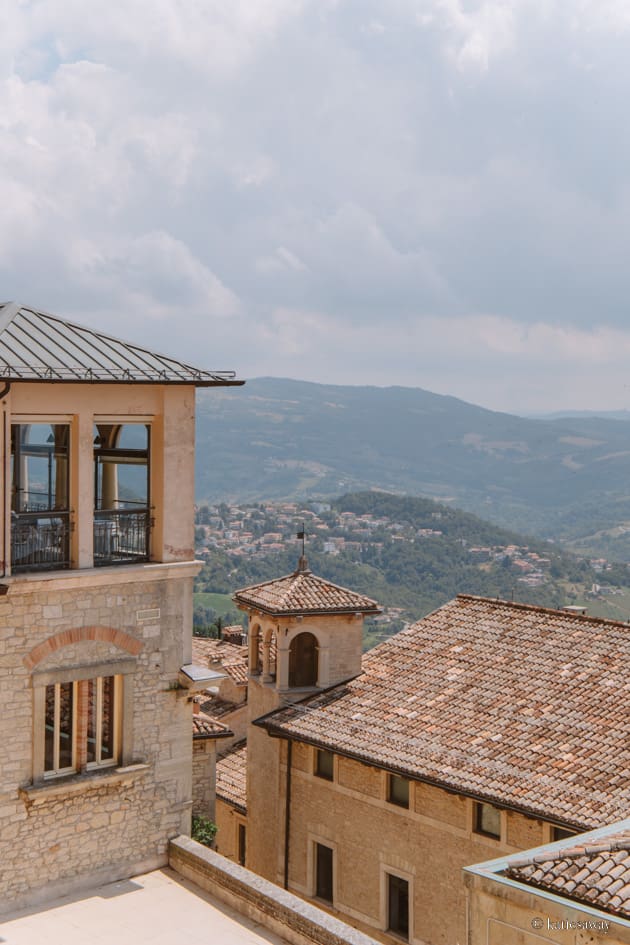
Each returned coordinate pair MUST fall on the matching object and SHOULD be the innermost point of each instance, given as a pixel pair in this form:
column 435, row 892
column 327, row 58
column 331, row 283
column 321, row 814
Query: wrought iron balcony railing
column 121, row 536
column 40, row 541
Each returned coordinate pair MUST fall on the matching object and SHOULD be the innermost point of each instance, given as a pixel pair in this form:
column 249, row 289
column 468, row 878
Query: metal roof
column 37, row 346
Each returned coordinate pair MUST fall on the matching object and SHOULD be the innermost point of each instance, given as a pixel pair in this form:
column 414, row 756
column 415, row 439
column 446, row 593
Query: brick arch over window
column 119, row 638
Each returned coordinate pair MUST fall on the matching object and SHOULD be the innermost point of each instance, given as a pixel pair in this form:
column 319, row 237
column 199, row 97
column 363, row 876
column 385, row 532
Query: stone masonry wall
column 104, row 824
column 428, row 844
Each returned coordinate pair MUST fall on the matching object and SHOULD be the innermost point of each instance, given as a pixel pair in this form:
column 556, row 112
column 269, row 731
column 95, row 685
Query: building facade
column 485, row 729
column 96, row 512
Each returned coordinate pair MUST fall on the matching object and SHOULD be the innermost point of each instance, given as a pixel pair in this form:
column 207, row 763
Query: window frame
column 389, row 876
column 123, row 671
column 392, row 781
column 317, row 845
column 319, row 770
column 561, row 833
column 56, row 771
column 478, row 808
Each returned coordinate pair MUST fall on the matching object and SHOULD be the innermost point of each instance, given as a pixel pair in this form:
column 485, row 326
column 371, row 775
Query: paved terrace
column 158, row 908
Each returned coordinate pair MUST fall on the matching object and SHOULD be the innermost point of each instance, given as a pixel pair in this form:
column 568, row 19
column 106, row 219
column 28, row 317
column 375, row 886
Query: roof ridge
column 537, row 608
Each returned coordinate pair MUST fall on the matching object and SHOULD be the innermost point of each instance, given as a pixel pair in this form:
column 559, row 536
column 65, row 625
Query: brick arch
column 119, row 638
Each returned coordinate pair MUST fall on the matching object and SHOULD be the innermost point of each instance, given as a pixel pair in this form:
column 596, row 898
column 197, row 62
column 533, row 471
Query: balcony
column 121, row 536
column 40, row 541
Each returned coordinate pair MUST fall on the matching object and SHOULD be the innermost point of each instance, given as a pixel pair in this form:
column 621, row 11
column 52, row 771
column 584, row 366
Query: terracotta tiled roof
column 232, row 777
column 594, row 872
column 303, row 593
column 204, row 726
column 522, row 706
column 217, row 707
column 233, row 658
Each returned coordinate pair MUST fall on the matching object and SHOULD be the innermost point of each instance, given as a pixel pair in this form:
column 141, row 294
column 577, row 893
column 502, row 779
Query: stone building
column 96, row 486
column 485, row 729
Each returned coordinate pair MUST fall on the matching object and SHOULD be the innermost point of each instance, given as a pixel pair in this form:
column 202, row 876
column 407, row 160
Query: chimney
column 576, row 610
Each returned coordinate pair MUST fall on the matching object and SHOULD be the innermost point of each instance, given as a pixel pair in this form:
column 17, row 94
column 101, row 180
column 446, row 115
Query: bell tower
column 305, row 635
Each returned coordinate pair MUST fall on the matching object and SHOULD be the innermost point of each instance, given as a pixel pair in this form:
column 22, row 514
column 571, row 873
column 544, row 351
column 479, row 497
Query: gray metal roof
column 37, row 346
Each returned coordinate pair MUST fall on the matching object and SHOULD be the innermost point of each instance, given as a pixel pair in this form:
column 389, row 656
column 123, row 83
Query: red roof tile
column 232, row 777
column 303, row 593
column 594, row 872
column 204, row 726
column 232, row 657
column 522, row 706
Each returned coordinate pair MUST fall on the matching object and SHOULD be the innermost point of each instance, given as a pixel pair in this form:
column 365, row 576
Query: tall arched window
column 122, row 517
column 303, row 661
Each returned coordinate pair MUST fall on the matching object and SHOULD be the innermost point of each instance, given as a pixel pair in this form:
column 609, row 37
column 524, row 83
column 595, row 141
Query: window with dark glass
column 40, row 497
column 561, row 833
column 324, row 764
column 398, row 790
column 398, row 905
column 488, row 820
column 242, row 843
column 122, row 517
column 323, row 872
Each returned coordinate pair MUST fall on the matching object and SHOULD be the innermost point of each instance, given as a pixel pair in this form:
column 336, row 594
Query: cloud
column 431, row 190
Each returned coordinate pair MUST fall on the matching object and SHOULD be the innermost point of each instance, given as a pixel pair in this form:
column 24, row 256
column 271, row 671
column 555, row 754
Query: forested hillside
column 561, row 478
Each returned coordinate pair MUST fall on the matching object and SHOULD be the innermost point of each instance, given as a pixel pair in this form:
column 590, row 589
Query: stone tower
column 305, row 635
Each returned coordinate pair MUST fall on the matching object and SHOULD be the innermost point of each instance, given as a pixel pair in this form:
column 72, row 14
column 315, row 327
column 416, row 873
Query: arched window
column 255, row 651
column 303, row 661
column 122, row 517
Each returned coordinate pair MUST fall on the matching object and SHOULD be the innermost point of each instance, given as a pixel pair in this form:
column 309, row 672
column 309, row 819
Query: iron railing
column 121, row 536
column 40, row 541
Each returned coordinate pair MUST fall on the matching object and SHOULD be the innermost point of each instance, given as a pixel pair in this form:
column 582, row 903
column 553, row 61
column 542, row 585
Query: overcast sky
column 432, row 193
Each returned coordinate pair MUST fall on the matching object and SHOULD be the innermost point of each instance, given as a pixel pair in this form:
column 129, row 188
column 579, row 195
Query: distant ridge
column 279, row 438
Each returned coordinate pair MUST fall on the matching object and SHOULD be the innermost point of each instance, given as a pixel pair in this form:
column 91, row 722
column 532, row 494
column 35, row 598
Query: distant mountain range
column 566, row 478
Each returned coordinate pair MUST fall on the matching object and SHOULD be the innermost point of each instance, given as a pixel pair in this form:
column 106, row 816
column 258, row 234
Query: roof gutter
column 276, row 732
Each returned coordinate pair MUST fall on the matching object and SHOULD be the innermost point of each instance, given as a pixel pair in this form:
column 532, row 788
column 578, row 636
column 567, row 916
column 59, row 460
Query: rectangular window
column 398, row 905
column 323, row 872
column 82, row 725
column 60, row 725
column 40, row 496
column 487, row 820
column 242, row 844
column 101, row 719
column 324, row 764
column 561, row 833
column 398, row 790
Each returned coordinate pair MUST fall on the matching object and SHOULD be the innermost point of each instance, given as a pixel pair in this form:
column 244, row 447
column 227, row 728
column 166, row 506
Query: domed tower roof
column 303, row 593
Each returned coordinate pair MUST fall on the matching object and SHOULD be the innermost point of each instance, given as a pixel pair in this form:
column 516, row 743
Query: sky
column 429, row 193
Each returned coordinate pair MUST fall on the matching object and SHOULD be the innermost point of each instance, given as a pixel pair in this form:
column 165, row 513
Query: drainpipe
column 287, row 815
column 3, row 393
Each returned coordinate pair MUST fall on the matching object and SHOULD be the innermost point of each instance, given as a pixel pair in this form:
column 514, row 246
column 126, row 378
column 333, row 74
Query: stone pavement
column 160, row 908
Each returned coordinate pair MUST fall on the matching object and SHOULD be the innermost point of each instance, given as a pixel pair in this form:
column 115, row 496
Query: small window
column 398, row 790
column 324, row 764
column 323, row 872
column 488, row 820
column 82, row 725
column 60, row 724
column 561, row 833
column 398, row 905
column 242, row 844
column 102, row 734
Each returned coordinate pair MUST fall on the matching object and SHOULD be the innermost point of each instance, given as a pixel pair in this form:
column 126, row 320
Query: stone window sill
column 80, row 783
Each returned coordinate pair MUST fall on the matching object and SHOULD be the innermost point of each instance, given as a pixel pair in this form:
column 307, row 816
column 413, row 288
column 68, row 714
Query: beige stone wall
column 427, row 844
column 265, row 789
column 103, row 824
column 227, row 821
column 505, row 913
column 204, row 780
